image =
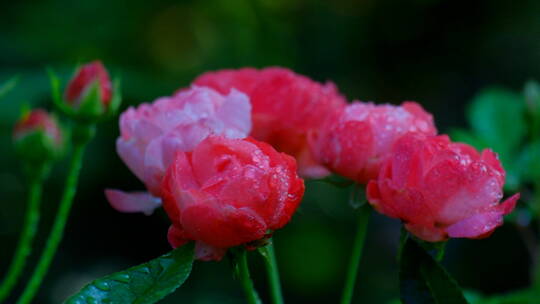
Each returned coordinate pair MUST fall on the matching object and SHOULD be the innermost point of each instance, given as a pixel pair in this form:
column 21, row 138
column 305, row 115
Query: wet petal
column 132, row 202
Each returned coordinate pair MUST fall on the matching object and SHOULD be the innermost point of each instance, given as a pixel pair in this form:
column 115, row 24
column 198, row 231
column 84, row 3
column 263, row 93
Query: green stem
column 57, row 231
column 272, row 273
column 356, row 254
column 536, row 259
column 247, row 284
column 31, row 220
column 536, row 263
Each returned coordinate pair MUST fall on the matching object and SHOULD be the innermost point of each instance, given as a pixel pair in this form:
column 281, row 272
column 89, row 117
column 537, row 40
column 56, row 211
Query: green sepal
column 116, row 99
column 56, row 94
column 357, row 196
column 143, row 284
column 37, row 146
column 336, row 180
column 91, row 109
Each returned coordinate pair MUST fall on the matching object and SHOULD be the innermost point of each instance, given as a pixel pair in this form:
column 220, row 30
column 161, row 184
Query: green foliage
column 515, row 297
column 142, row 284
column 423, row 280
column 532, row 96
column 497, row 117
column 529, row 162
column 8, row 86
column 466, row 136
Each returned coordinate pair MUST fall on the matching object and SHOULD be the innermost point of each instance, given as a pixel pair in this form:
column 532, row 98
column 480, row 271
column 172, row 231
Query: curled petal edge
column 132, row 202
column 482, row 225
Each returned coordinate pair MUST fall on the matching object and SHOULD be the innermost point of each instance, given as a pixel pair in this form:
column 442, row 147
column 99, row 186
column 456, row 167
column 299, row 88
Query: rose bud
column 89, row 94
column 441, row 189
column 229, row 192
column 90, row 76
column 286, row 107
column 355, row 141
column 152, row 133
column 37, row 137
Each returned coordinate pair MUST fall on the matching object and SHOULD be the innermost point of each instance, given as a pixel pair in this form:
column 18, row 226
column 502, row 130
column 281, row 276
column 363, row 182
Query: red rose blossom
column 285, row 108
column 83, row 81
column 355, row 141
column 441, row 189
column 228, row 192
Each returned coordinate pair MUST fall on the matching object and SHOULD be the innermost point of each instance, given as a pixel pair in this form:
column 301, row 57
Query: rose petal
column 133, row 201
column 205, row 252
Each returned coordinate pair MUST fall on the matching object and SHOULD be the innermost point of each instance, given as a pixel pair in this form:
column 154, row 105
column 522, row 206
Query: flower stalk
column 272, row 271
column 36, row 175
column 358, row 246
column 82, row 135
column 243, row 272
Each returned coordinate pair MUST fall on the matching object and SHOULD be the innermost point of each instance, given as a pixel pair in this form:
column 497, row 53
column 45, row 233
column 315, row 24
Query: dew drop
column 144, row 269
column 91, row 300
column 102, row 285
column 121, row 277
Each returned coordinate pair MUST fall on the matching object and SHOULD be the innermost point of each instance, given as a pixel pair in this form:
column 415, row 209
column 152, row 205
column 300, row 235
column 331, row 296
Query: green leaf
column 467, row 137
column 524, row 296
column 497, row 117
column 142, row 284
column 529, row 162
column 532, row 96
column 8, row 86
column 423, row 280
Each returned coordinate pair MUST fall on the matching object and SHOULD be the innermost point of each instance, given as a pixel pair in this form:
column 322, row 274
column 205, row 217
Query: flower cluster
column 287, row 107
column 222, row 188
column 152, row 134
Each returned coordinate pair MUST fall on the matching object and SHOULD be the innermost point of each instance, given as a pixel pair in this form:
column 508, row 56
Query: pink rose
column 286, row 107
column 151, row 134
column 441, row 189
column 355, row 141
column 229, row 192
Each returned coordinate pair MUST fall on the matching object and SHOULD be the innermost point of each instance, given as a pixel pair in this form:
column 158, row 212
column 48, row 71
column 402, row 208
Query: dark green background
column 439, row 53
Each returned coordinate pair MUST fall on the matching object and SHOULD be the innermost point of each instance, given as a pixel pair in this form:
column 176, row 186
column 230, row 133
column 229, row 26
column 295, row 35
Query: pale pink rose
column 151, row 134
